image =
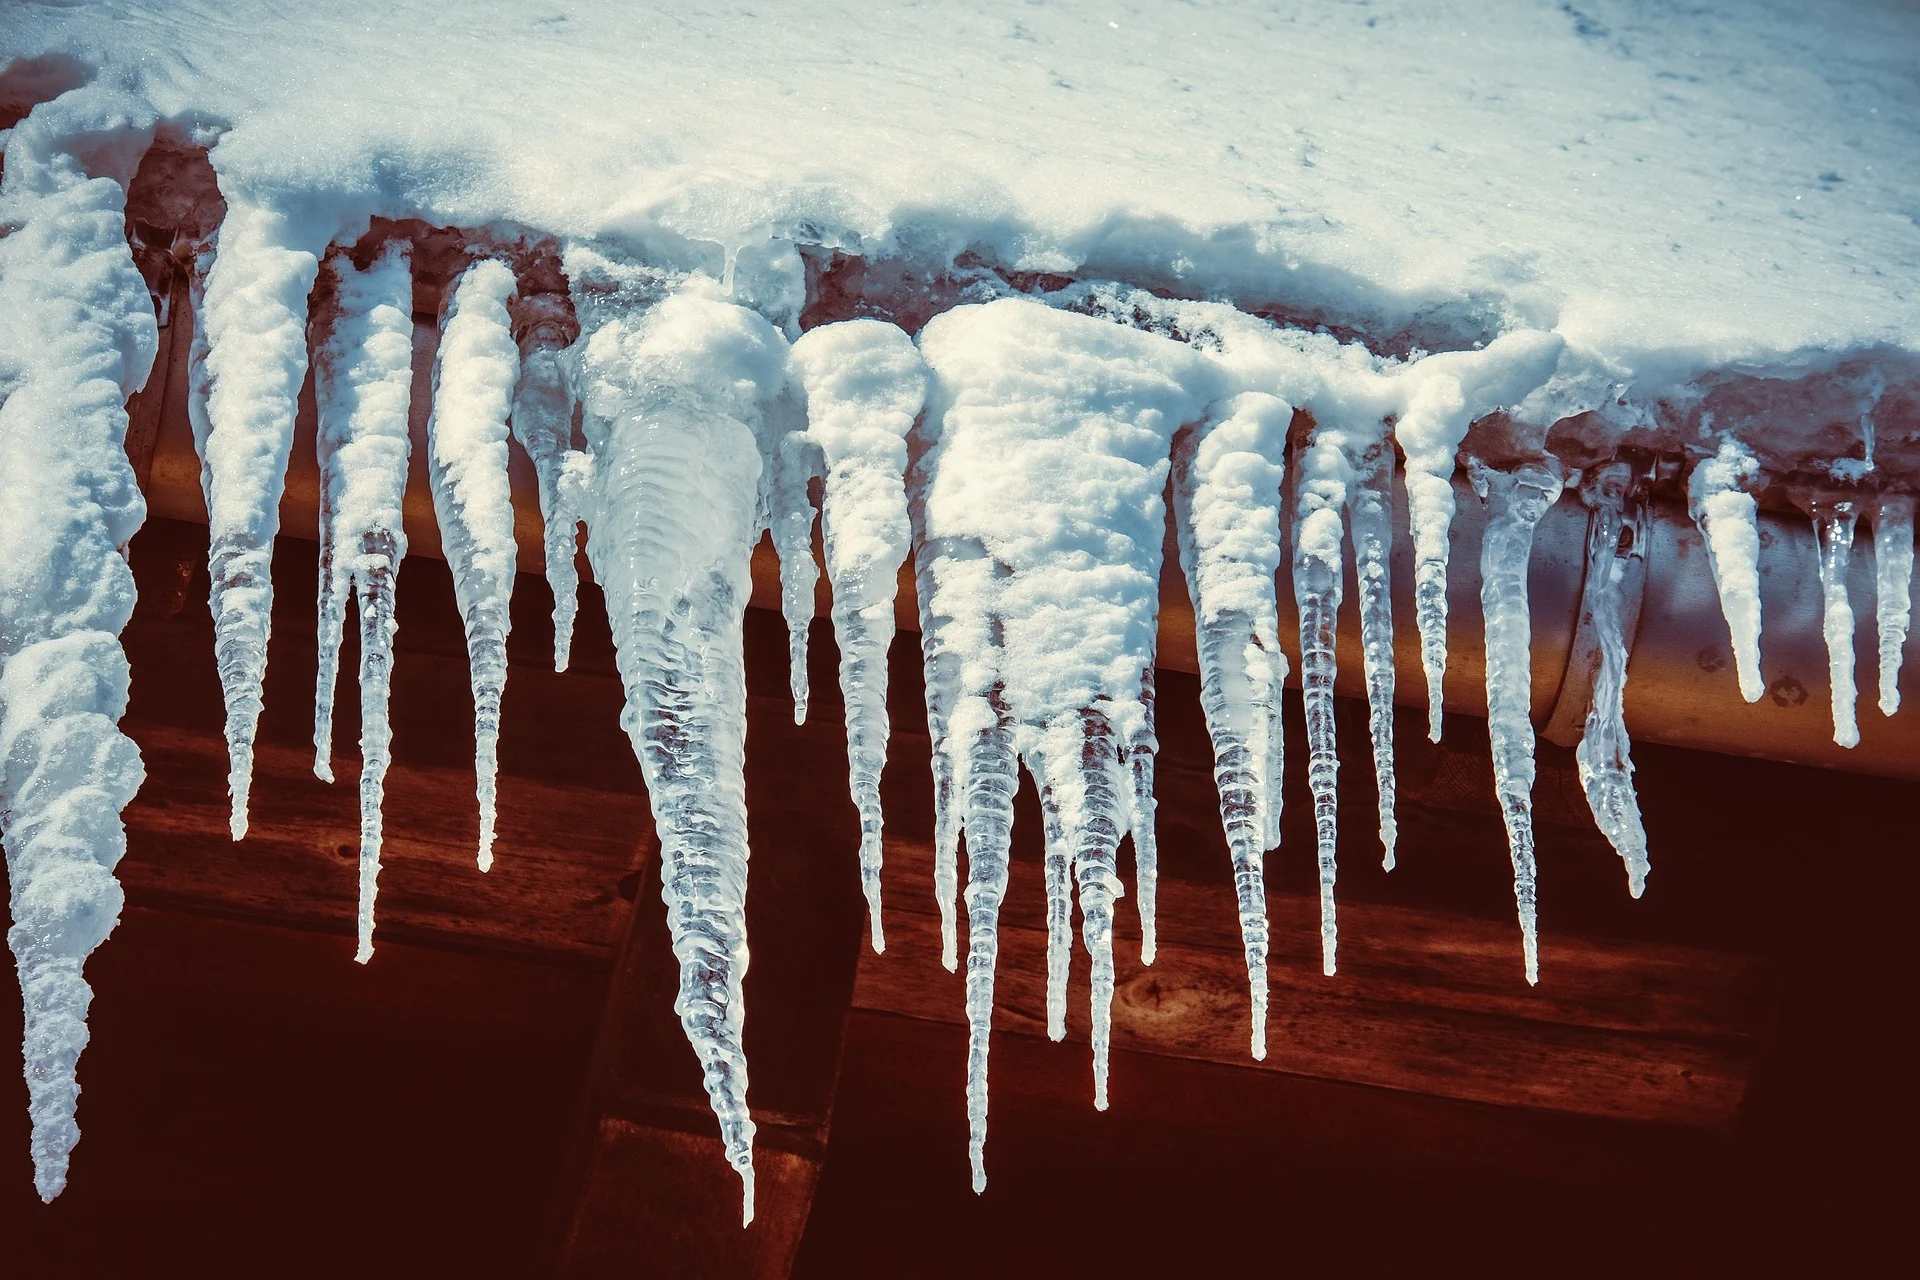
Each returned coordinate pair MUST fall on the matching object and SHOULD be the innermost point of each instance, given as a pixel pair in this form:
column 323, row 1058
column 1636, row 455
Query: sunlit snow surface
column 1691, row 230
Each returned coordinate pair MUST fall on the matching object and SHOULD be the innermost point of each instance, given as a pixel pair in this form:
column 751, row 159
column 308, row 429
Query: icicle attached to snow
column 1720, row 499
column 543, row 424
column 796, row 466
column 1322, row 481
column 1039, row 496
column 78, row 338
column 254, row 317
column 1604, row 754
column 473, row 382
column 1833, row 525
column 362, row 386
column 681, row 394
column 1370, row 523
column 1893, row 590
column 1516, row 501
column 1227, row 474
column 865, row 384
column 1443, row 396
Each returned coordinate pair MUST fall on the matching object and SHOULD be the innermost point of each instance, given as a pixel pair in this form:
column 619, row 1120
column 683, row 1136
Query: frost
column 1719, row 498
column 1226, row 501
column 1603, row 756
column 473, row 382
column 1893, row 583
column 1516, row 500
column 362, row 384
column 865, row 384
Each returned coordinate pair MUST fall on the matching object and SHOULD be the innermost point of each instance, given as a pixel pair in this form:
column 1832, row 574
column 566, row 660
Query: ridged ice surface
column 77, row 336
column 1604, row 755
column 362, row 385
column 542, row 423
column 1226, row 501
column 1321, row 483
column 680, row 417
column 1045, row 458
column 1729, row 520
column 1516, row 500
column 1893, row 590
column 796, row 466
column 865, row 385
column 253, row 314
column 1370, row 522
column 474, row 375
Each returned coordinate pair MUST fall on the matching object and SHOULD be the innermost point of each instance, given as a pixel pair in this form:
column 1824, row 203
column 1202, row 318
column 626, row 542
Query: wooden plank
column 1424, row 1002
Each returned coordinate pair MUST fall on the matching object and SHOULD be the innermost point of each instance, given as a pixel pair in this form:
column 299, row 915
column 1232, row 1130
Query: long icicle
column 988, row 776
column 1370, row 525
column 543, row 424
column 1322, row 479
column 1604, row 754
column 1833, row 525
column 473, row 381
column 1227, row 474
column 1516, row 501
column 1719, row 498
column 1893, row 590
column 363, row 383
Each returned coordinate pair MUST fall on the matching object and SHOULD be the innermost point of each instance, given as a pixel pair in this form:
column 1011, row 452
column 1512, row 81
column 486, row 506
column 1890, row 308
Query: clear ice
column 1322, row 480
column 1833, row 526
column 1893, row 590
column 542, row 422
column 1370, row 525
column 1604, row 754
column 796, row 466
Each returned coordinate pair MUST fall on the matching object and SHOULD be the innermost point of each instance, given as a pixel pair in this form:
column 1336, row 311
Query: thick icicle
column 1226, row 500
column 1604, row 754
column 473, row 381
column 795, row 467
column 1516, row 501
column 1322, row 481
column 1893, row 594
column 543, row 424
column 1370, row 523
column 1039, row 501
column 362, row 386
column 1728, row 518
column 681, row 395
column 1833, row 524
column 1444, row 394
column 253, row 313
column 865, row 384
column 77, row 337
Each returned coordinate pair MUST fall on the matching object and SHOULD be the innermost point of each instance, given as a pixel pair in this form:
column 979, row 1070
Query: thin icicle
column 1516, row 501
column 1322, row 481
column 1833, row 524
column 1893, row 594
column 1056, row 871
column 362, row 386
column 795, row 467
column 865, row 384
column 543, row 424
column 473, row 381
column 1444, row 395
column 681, row 396
column 988, row 775
column 253, row 314
column 1140, row 755
column 1721, row 504
column 1227, row 474
column 77, row 337
column 1604, row 754
column 1370, row 524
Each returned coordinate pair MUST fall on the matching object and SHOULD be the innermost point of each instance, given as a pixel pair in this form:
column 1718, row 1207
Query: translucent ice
column 1833, row 523
column 1603, row 756
column 1893, row 590
column 543, row 424
column 1321, row 484
column 1719, row 498
column 1370, row 516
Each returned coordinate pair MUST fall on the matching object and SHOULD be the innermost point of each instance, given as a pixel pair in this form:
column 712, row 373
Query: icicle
column 362, row 386
column 1226, row 500
column 1142, row 807
column 473, row 381
column 1322, row 479
column 1370, row 522
column 1445, row 394
column 1038, row 503
column 1057, row 879
column 79, row 338
column 681, row 394
column 1833, row 523
column 1728, row 518
column 1516, row 501
column 254, row 317
column 795, row 467
column 1893, row 583
column 543, row 424
column 1605, row 762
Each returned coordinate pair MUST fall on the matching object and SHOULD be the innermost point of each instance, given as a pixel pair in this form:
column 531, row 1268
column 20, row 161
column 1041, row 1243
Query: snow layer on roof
column 1673, row 188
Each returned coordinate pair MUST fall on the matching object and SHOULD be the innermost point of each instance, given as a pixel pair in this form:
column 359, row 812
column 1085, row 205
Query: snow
column 362, row 381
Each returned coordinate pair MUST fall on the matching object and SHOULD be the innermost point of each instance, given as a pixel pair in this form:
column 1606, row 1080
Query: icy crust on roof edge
column 77, row 337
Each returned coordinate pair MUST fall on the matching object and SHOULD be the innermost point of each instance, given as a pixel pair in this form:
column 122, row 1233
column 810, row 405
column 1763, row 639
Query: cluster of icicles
column 1018, row 451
